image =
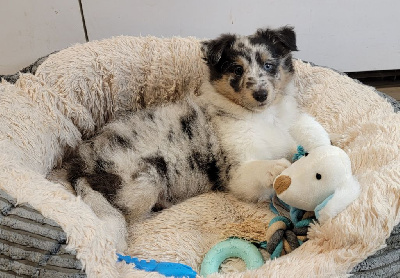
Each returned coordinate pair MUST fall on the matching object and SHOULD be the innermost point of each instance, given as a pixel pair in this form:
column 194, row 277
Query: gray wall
column 349, row 35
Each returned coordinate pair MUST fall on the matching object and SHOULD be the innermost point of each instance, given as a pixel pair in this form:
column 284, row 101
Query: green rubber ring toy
column 231, row 248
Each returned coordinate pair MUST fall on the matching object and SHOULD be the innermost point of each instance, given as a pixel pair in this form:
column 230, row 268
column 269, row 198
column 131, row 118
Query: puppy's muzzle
column 282, row 183
column 260, row 96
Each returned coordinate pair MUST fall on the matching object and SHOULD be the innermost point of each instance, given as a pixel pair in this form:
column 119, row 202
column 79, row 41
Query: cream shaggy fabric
column 101, row 76
column 80, row 88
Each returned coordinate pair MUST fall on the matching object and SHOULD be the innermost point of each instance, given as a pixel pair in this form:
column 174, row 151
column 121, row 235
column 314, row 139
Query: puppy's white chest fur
column 260, row 136
column 248, row 135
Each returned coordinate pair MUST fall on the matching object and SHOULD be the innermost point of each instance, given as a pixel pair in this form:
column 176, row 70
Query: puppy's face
column 251, row 71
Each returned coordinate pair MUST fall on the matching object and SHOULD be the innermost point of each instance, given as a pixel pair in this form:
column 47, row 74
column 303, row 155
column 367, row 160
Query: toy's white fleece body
column 78, row 89
column 321, row 181
column 340, row 200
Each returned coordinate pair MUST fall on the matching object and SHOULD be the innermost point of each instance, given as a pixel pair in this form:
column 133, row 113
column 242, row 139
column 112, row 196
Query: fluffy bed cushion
column 80, row 88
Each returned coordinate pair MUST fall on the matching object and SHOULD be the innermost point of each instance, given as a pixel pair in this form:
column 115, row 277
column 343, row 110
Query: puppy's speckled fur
column 234, row 136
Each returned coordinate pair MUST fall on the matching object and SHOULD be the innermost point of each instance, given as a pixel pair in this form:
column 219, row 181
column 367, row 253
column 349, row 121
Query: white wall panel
column 31, row 29
column 349, row 35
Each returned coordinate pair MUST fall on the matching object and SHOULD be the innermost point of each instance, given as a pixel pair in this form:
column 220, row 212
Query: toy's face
column 313, row 178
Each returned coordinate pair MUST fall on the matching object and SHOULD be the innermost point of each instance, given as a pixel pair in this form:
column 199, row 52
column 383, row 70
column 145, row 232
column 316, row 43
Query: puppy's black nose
column 260, row 95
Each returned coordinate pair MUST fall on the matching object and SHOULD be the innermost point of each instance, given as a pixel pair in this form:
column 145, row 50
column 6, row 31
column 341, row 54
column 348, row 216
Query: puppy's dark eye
column 268, row 66
column 305, row 154
column 238, row 70
column 318, row 176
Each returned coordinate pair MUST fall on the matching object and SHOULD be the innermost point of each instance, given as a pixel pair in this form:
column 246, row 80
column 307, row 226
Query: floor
column 387, row 82
column 391, row 91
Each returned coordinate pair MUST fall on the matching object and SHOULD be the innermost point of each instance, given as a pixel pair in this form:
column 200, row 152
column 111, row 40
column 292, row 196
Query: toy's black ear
column 283, row 38
column 213, row 49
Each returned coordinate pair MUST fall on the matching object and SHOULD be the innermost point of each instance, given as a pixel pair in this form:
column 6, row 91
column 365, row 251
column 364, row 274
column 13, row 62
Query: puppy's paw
column 252, row 181
column 277, row 167
column 283, row 163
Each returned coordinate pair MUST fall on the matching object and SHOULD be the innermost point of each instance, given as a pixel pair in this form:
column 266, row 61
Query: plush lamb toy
column 320, row 181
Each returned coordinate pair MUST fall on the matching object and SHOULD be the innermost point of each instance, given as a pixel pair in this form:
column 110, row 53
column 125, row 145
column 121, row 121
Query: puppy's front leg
column 309, row 133
column 252, row 180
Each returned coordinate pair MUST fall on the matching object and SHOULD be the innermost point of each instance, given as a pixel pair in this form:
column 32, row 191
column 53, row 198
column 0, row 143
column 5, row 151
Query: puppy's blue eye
column 268, row 66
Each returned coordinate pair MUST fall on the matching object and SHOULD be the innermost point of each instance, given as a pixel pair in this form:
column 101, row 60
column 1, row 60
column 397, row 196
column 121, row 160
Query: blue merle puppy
column 235, row 136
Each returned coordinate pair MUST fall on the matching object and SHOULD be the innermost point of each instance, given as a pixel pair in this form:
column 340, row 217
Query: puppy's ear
column 213, row 49
column 287, row 37
column 283, row 38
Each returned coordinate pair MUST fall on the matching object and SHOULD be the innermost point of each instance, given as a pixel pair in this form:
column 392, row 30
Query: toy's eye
column 268, row 66
column 318, row 176
column 238, row 70
column 305, row 154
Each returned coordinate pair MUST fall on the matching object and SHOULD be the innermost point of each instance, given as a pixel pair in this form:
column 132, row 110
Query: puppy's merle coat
column 234, row 136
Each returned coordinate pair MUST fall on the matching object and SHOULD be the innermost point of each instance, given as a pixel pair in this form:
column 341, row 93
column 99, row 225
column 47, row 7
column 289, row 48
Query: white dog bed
column 77, row 90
